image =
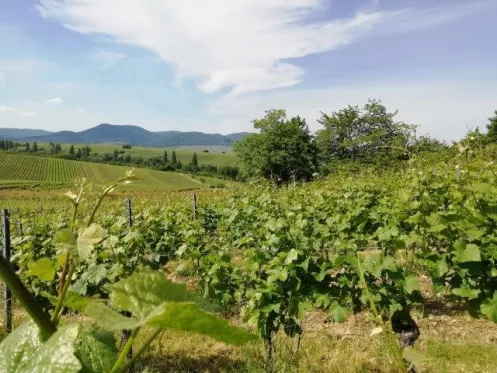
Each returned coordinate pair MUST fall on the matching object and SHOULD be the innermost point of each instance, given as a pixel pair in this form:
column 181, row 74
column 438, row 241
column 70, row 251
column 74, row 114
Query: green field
column 20, row 170
column 215, row 156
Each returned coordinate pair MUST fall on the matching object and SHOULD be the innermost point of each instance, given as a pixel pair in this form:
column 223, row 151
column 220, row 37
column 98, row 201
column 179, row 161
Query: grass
column 325, row 348
column 20, row 170
column 328, row 348
column 184, row 154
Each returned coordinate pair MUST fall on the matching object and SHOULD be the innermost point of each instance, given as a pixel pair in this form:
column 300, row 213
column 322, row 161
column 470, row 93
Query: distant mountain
column 19, row 133
column 133, row 135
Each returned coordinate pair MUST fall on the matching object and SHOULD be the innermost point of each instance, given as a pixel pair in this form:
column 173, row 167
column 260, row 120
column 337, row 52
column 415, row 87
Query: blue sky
column 213, row 66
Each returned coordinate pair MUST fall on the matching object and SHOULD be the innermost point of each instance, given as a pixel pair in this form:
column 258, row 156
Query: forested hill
column 133, row 135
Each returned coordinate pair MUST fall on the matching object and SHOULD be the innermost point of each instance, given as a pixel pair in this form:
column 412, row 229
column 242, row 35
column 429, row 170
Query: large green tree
column 369, row 134
column 282, row 151
column 492, row 129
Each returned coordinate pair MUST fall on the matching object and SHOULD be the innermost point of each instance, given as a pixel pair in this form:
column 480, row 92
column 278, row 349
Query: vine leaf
column 64, row 240
column 142, row 292
column 411, row 284
column 470, row 254
column 23, row 351
column 489, row 308
column 44, row 269
column 156, row 302
column 466, row 293
column 87, row 237
column 97, row 350
column 338, row 313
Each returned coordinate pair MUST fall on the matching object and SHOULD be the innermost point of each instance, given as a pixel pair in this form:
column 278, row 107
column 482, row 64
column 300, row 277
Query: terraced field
column 18, row 170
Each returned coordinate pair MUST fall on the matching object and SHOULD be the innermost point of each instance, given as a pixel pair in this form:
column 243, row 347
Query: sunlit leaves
column 156, row 302
column 489, row 308
column 87, row 237
column 43, row 268
column 23, row 351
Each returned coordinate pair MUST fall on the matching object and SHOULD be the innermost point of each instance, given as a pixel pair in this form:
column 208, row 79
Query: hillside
column 213, row 157
column 19, row 170
column 20, row 133
column 134, row 135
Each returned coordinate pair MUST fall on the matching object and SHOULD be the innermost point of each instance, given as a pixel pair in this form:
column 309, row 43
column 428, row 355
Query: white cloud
column 11, row 110
column 241, row 45
column 443, row 109
column 54, row 101
column 107, row 58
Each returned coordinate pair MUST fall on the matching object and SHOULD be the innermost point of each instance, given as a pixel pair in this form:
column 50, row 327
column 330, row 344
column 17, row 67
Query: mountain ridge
column 129, row 134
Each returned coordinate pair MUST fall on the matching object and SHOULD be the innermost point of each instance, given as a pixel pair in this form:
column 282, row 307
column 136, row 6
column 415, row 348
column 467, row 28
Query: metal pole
column 6, row 255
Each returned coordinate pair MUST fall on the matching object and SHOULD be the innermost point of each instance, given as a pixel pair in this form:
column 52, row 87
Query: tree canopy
column 282, row 151
column 369, row 134
column 492, row 129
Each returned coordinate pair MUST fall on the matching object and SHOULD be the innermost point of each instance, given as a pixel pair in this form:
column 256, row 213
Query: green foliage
column 284, row 150
column 24, row 351
column 367, row 135
column 492, row 129
column 149, row 298
column 96, row 349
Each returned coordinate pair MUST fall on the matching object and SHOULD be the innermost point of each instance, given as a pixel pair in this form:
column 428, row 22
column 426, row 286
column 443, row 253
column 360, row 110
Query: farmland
column 339, row 264
column 215, row 156
column 20, row 170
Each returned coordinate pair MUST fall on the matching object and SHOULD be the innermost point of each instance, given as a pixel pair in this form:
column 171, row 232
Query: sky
column 214, row 66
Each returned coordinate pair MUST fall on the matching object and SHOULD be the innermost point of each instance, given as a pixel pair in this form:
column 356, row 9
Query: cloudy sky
column 212, row 66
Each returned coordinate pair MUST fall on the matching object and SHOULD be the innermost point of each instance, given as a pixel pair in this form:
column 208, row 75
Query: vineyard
column 18, row 170
column 386, row 248
column 184, row 155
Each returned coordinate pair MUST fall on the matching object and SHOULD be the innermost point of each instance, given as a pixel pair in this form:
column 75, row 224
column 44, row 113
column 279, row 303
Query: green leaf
column 87, row 237
column 24, row 352
column 43, row 268
column 474, row 233
column 64, row 239
column 156, row 302
column 19, row 347
column 108, row 319
column 96, row 273
column 489, row 308
column 338, row 313
column 466, row 293
column 388, row 264
column 189, row 318
column 411, row 284
column 142, row 292
column 291, row 256
column 442, row 267
column 75, row 301
column 470, row 254
column 97, row 350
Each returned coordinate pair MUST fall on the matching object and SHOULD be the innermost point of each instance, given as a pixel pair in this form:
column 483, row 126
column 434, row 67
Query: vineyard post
column 129, row 214
column 126, row 334
column 20, row 228
column 194, row 203
column 6, row 255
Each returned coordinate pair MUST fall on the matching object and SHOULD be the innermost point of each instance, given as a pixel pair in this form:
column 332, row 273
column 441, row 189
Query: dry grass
column 451, row 341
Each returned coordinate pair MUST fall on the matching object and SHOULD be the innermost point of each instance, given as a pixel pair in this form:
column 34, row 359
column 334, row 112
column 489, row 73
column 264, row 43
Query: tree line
column 284, row 149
